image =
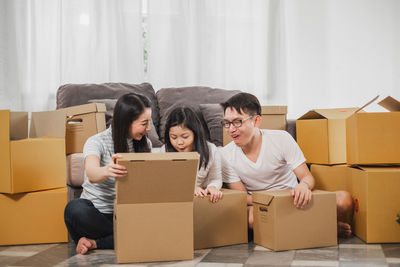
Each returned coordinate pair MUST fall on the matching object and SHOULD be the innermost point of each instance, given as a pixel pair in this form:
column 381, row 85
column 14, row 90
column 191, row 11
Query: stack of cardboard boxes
column 33, row 191
column 358, row 152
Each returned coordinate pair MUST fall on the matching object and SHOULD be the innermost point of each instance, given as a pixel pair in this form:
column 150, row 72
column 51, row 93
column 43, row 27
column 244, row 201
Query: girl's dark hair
column 186, row 117
column 128, row 109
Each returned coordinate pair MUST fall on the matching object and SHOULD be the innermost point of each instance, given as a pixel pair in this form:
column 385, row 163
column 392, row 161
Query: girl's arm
column 98, row 174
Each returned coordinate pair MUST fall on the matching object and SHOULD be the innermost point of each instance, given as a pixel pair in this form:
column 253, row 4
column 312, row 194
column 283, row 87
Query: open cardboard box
column 153, row 210
column 374, row 137
column 273, row 118
column 34, row 163
column 279, row 225
column 83, row 121
column 321, row 135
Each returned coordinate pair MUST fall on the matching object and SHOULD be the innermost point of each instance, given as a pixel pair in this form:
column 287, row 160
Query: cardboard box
column 273, row 118
column 153, row 211
column 321, row 135
column 279, row 225
column 222, row 223
column 332, row 178
column 34, row 163
column 83, row 121
column 33, row 218
column 377, row 203
column 374, row 138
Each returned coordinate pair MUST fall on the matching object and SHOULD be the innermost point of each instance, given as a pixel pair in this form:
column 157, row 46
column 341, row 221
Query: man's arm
column 240, row 186
column 302, row 192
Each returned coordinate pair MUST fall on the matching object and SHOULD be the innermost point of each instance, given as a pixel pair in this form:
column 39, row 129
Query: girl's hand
column 113, row 169
column 215, row 194
column 200, row 192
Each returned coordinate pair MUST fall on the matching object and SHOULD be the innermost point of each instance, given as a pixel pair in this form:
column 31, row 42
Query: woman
column 184, row 133
column 90, row 219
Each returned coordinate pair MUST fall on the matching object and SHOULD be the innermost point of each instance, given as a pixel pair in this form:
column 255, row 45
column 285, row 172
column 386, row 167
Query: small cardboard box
column 33, row 218
column 279, row 225
column 34, row 163
column 377, row 203
column 83, row 121
column 153, row 211
column 222, row 223
column 321, row 135
column 374, row 137
column 332, row 178
column 273, row 118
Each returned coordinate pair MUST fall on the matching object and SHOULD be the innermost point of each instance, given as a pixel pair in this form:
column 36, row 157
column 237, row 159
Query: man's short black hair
column 243, row 102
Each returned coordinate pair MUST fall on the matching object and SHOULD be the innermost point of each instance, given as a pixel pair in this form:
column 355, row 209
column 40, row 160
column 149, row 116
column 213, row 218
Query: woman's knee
column 77, row 208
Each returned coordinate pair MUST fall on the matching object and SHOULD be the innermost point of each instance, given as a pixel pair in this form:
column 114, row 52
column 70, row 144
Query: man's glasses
column 236, row 123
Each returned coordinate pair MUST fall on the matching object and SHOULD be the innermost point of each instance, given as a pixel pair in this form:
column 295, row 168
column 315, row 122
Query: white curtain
column 47, row 43
column 229, row 44
column 305, row 54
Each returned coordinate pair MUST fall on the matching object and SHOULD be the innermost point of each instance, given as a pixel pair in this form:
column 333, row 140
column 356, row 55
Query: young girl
column 90, row 219
column 184, row 133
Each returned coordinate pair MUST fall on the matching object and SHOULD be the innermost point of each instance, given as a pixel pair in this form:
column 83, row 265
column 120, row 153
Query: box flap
column 262, row 197
column 48, row 123
column 333, row 113
column 390, row 104
column 265, row 110
column 157, row 177
column 18, row 125
column 87, row 108
column 5, row 163
column 369, row 102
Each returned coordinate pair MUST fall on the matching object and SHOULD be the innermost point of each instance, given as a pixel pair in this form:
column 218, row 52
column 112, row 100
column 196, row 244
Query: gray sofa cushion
column 110, row 104
column 78, row 94
column 212, row 114
column 169, row 98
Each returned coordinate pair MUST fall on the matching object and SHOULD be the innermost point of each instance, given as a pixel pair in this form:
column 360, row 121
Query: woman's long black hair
column 186, row 117
column 128, row 109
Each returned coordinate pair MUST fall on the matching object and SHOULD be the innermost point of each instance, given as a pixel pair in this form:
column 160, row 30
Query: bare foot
column 85, row 244
column 344, row 229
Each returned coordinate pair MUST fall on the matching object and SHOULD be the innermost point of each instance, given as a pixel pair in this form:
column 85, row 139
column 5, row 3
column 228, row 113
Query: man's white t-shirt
column 279, row 156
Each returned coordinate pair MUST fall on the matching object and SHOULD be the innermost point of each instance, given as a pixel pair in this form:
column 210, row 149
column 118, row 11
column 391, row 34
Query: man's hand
column 301, row 195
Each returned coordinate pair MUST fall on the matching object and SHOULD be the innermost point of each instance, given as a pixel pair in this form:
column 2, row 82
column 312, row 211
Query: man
column 269, row 160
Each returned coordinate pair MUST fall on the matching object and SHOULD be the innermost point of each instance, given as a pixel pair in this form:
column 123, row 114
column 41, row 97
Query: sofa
column 204, row 100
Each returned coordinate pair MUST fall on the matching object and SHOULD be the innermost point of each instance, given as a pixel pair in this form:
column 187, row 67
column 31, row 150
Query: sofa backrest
column 78, row 94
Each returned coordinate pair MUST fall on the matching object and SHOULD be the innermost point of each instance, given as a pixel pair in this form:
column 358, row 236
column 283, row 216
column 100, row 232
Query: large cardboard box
column 153, row 211
column 377, row 203
column 273, row 118
column 321, row 135
column 34, row 163
column 222, row 223
column 374, row 138
column 332, row 178
column 279, row 225
column 83, row 121
column 33, row 218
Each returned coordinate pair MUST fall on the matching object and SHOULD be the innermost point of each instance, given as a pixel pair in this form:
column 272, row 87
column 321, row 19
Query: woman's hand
column 301, row 195
column 113, row 169
column 200, row 192
column 215, row 194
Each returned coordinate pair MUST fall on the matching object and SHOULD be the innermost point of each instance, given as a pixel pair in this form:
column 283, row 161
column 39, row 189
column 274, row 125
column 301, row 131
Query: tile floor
column 349, row 252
